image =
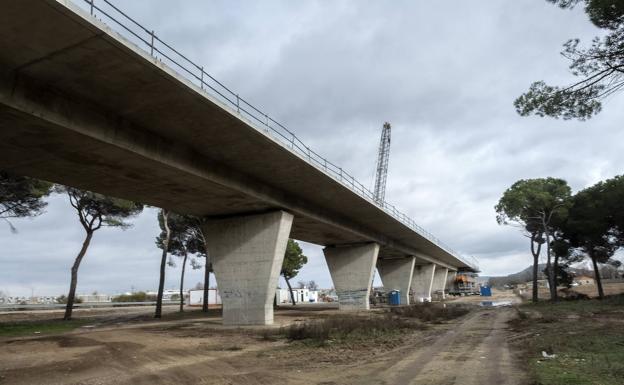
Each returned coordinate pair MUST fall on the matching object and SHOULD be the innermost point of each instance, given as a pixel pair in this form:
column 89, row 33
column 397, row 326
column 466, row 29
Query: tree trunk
column 182, row 282
column 536, row 254
column 556, row 270
column 535, row 272
column 163, row 265
column 207, row 269
column 275, row 300
column 292, row 296
column 549, row 267
column 597, row 277
column 74, row 276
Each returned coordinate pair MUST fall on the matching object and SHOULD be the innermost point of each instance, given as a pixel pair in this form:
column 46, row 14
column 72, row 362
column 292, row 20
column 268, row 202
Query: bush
column 63, row 299
column 347, row 327
column 139, row 296
column 429, row 312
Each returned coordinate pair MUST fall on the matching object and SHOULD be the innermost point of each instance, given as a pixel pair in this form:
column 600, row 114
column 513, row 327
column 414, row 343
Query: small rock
column 548, row 356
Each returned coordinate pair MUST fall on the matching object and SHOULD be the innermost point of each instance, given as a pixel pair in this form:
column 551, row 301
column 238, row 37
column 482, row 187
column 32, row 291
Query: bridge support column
column 422, row 282
column 396, row 274
column 439, row 280
column 351, row 269
column 247, row 254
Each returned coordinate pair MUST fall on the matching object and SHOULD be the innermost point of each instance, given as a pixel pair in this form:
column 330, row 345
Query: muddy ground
column 195, row 349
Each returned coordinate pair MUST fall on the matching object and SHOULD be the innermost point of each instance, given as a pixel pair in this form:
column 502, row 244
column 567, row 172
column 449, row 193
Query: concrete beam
column 422, row 282
column 396, row 274
column 247, row 254
column 351, row 269
column 439, row 281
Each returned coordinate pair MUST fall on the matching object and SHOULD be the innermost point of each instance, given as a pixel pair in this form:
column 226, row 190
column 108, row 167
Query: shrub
column 429, row 312
column 347, row 327
column 139, row 296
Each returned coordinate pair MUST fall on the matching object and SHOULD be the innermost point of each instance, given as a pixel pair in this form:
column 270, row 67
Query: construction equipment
column 382, row 165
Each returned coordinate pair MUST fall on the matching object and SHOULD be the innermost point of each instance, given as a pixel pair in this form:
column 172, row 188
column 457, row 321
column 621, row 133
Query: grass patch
column 40, row 327
column 586, row 336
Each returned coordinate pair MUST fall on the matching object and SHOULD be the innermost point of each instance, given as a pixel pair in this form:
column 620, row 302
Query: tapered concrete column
column 247, row 254
column 439, row 280
column 351, row 269
column 396, row 274
column 422, row 282
column 450, row 278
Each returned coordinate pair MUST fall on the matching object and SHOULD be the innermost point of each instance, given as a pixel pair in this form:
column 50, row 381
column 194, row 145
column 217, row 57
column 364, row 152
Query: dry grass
column 432, row 312
column 348, row 327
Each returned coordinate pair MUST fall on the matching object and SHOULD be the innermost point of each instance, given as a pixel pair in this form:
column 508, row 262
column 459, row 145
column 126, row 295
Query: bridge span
column 91, row 99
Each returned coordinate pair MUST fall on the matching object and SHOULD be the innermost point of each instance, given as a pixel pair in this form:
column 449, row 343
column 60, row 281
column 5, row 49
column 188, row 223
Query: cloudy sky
column 444, row 74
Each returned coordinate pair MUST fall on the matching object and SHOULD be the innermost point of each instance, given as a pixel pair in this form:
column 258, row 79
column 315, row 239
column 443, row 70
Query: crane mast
column 382, row 164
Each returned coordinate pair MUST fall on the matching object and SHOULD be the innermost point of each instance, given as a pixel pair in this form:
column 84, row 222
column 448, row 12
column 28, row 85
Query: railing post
column 152, row 44
column 202, row 78
column 292, row 141
column 237, row 104
column 91, row 2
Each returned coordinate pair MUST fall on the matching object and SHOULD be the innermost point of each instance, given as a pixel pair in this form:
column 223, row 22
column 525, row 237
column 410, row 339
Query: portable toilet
column 486, row 291
column 395, row 298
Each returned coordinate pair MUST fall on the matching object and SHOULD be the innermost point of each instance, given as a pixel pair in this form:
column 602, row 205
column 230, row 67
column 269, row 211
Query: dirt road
column 472, row 350
column 474, row 353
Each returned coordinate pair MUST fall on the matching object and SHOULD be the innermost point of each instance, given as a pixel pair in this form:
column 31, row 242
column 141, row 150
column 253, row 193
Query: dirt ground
column 197, row 350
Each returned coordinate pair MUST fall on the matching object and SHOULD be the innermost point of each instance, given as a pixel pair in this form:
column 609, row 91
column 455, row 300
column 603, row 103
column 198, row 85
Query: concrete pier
column 396, row 274
column 351, row 269
column 422, row 282
column 439, row 280
column 247, row 254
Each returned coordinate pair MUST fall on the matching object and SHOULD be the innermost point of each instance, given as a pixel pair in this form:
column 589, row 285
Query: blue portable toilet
column 395, row 297
column 486, row 291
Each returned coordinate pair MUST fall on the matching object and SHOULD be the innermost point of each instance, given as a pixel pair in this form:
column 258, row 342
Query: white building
column 301, row 296
column 196, row 297
column 95, row 298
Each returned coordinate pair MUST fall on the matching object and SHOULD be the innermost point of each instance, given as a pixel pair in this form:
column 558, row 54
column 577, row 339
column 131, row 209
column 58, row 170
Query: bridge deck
column 83, row 106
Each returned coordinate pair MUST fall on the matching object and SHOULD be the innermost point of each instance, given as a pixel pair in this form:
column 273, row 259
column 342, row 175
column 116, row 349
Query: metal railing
column 147, row 40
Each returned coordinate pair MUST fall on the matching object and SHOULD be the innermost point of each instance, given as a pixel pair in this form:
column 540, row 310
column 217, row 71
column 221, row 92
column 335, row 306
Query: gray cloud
column 444, row 73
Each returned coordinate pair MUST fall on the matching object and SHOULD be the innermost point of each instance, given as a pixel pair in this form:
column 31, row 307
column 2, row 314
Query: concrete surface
column 396, row 274
column 351, row 269
column 247, row 255
column 439, row 281
column 422, row 282
column 82, row 106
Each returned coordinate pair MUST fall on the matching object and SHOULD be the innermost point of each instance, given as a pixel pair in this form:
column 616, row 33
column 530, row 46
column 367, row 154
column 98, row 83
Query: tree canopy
column 537, row 205
column 592, row 224
column 293, row 260
column 21, row 196
column 599, row 67
column 527, row 200
column 180, row 236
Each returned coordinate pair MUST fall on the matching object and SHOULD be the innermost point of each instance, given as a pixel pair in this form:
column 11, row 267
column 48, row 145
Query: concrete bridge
column 128, row 116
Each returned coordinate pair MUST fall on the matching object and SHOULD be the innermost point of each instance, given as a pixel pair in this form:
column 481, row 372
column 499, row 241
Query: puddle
column 495, row 303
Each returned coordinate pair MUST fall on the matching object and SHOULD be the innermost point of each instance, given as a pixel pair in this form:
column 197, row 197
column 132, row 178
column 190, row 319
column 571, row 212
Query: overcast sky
column 444, row 73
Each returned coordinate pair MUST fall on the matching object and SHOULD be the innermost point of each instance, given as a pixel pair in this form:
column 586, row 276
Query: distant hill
column 526, row 275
